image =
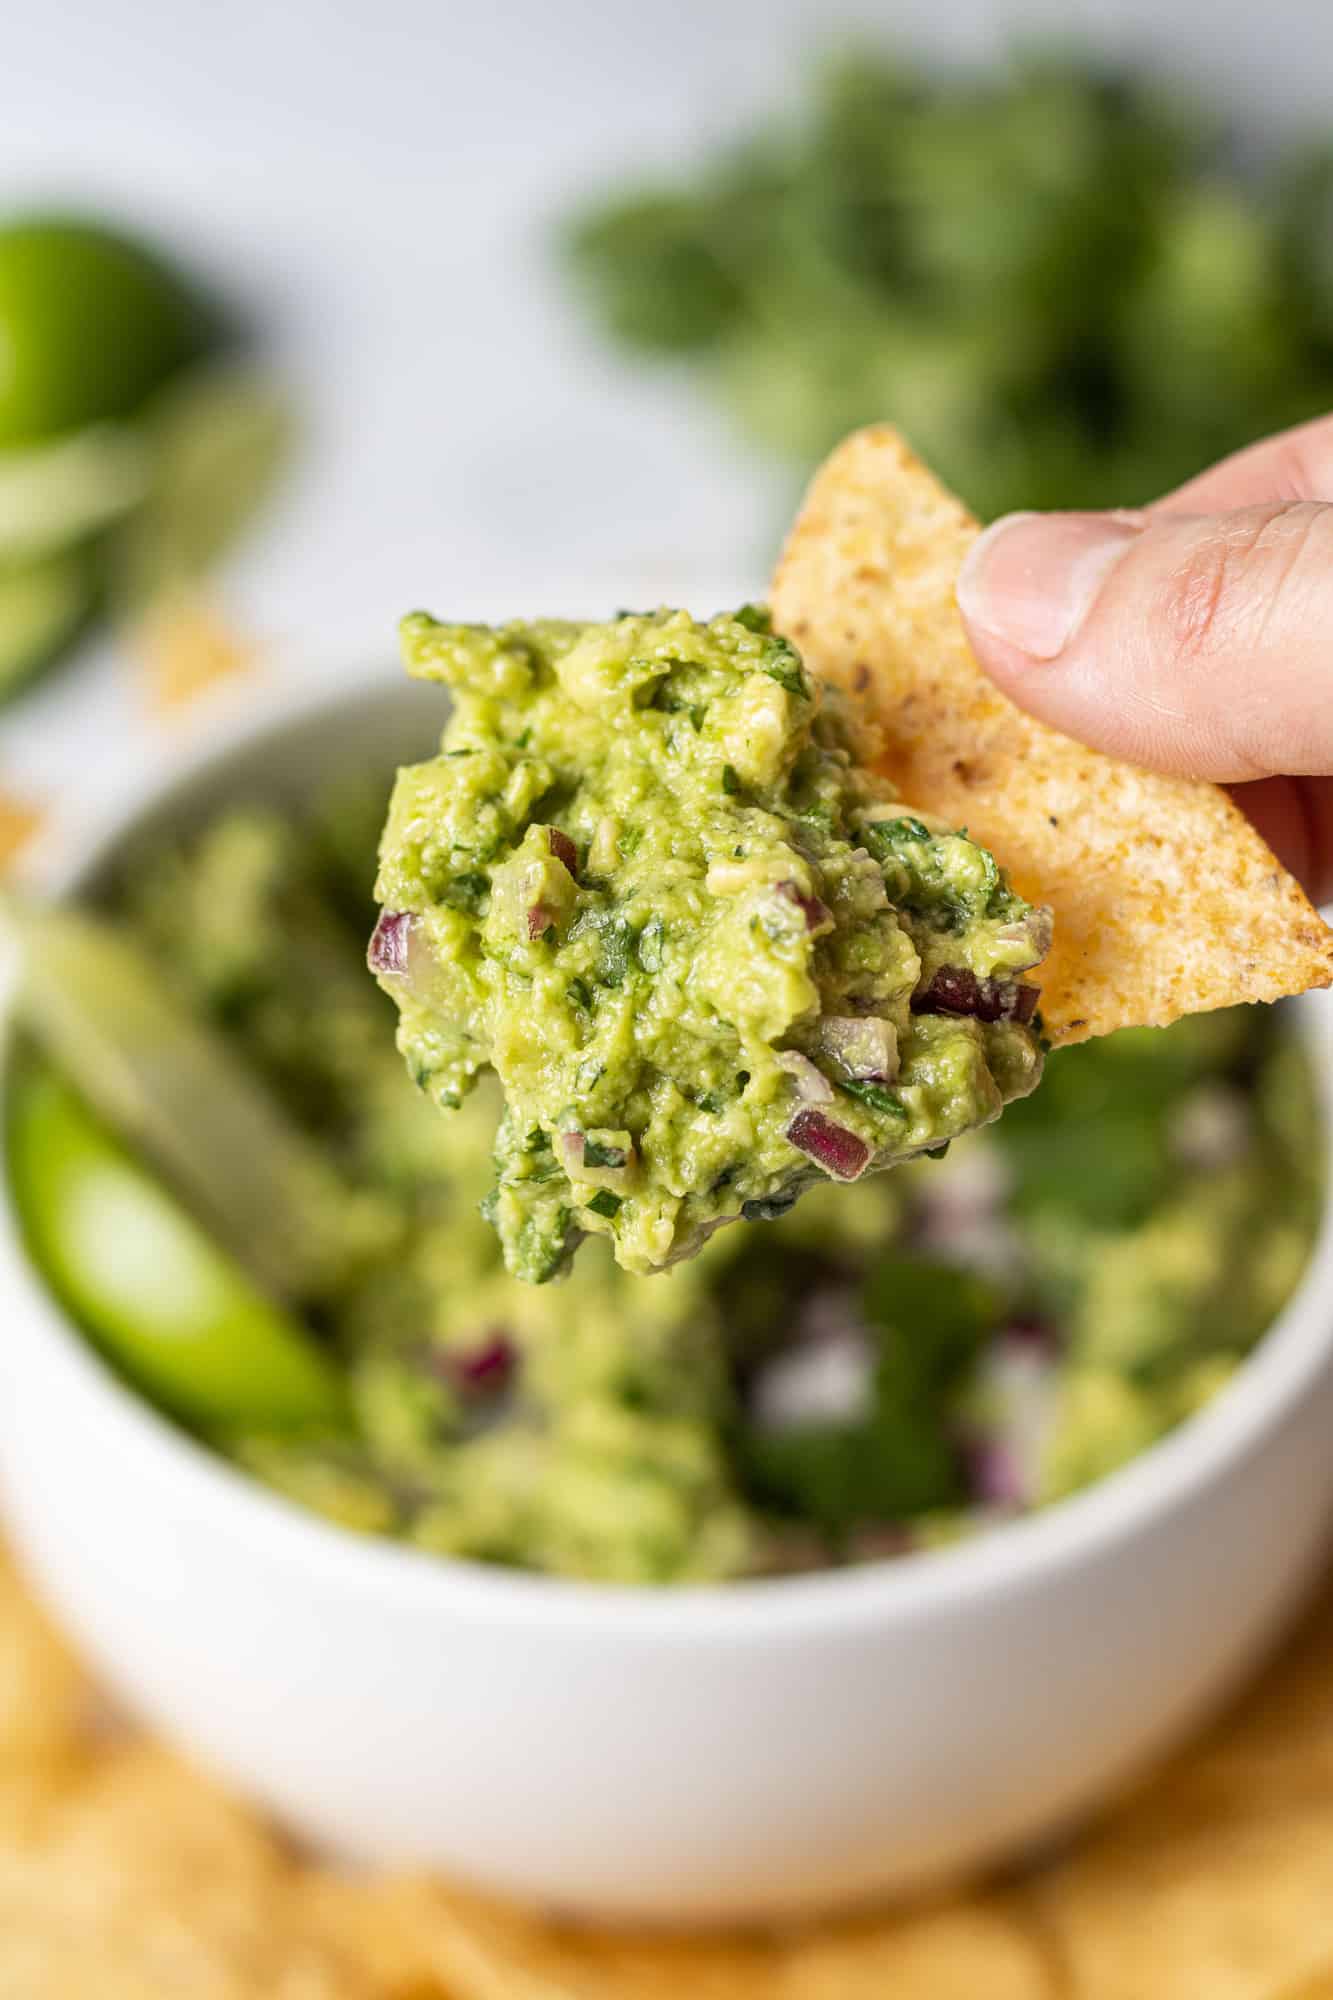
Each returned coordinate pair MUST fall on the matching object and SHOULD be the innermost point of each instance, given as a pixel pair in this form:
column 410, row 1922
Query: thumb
column 1196, row 644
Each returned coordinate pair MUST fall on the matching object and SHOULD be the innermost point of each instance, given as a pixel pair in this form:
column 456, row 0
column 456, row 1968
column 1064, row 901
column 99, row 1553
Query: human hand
column 1194, row 636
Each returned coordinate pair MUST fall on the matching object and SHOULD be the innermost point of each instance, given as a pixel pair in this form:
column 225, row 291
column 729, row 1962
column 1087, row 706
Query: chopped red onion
column 993, row 1472
column 955, row 989
column 1028, row 1333
column 486, row 1369
column 866, row 1048
column 389, row 942
column 838, row 1151
column 1025, row 1000
column 818, row 916
column 563, row 848
column 545, row 892
column 812, row 1086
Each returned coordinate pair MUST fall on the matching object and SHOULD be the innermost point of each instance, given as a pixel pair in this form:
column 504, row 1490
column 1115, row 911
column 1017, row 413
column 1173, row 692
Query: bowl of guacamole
column 335, row 1468
column 892, row 1365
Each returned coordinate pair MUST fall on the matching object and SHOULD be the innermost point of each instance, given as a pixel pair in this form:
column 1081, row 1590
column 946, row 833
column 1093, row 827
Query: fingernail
column 1032, row 578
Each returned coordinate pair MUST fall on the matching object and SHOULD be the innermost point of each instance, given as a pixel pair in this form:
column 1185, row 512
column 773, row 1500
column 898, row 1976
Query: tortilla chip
column 974, row 1946
column 1236, row 1911
column 386, row 1930
column 128, row 1875
column 487, row 1950
column 1166, row 900
column 1319, row 1987
column 484, row 1950
column 187, row 649
column 21, row 820
column 45, row 1697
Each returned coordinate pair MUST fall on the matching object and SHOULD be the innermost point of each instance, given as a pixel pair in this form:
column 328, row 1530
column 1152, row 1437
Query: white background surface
column 378, row 182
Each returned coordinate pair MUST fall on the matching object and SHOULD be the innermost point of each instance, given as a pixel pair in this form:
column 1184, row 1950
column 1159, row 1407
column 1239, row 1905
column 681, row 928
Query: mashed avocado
column 709, row 957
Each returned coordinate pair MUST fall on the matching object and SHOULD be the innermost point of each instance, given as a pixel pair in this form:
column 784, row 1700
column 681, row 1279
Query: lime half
column 91, row 323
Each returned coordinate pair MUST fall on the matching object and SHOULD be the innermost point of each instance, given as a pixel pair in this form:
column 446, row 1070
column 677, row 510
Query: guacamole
column 899, row 1362
column 710, row 958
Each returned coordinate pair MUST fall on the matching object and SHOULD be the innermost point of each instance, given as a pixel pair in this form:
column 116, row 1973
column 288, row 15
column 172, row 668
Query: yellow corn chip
column 1166, row 900
column 971, row 1946
column 386, row 1929
column 1319, row 1987
column 487, row 1950
column 484, row 1950
column 187, row 649
column 140, row 1878
column 1239, row 1910
column 45, row 1697
column 20, row 821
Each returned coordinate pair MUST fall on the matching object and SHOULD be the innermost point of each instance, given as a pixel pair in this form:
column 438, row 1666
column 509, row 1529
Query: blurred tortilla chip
column 188, row 648
column 21, row 820
column 1239, row 1909
column 45, row 1696
column 970, row 1947
column 1319, row 1986
column 385, row 1929
column 1166, row 900
column 484, row 1950
column 139, row 1877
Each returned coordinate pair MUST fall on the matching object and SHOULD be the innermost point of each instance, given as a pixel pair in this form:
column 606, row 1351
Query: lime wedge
column 43, row 605
column 172, row 1090
column 54, row 495
column 164, row 1303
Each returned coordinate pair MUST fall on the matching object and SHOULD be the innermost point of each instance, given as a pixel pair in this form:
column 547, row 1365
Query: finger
column 1197, row 645
column 1295, row 465
column 1295, row 817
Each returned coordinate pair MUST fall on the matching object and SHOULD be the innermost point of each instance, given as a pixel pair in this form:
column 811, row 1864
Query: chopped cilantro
column 885, row 833
column 783, row 666
column 648, row 949
column 616, row 952
column 877, row 1097
column 768, row 1209
column 466, row 891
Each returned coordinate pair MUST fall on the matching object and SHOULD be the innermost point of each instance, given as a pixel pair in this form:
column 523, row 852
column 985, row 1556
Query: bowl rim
column 1013, row 1556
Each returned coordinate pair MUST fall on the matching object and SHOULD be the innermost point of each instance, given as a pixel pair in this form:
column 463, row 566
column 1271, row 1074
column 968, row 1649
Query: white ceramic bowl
column 703, row 1754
